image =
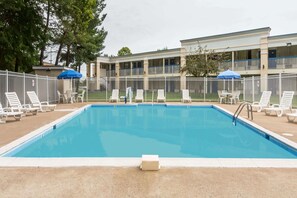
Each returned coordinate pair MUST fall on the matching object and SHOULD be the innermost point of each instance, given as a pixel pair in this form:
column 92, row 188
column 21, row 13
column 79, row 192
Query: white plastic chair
column 222, row 97
column 139, row 95
column 186, row 96
column 161, row 96
column 60, row 97
column 284, row 105
column 114, row 96
column 43, row 106
column 234, row 97
column 81, row 96
column 6, row 113
column 263, row 103
column 15, row 104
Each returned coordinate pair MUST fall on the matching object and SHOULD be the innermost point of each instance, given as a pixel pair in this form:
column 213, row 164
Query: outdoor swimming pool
column 164, row 130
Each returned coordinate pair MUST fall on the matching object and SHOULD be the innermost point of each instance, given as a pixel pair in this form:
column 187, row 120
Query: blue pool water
column 168, row 131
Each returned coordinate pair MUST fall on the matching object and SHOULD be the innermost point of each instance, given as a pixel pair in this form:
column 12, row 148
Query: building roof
column 259, row 30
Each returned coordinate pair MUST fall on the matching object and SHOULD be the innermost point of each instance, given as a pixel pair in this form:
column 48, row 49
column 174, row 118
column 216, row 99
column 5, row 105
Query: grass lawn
column 102, row 96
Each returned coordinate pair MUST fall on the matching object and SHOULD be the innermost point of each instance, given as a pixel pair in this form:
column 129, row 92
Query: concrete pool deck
column 131, row 182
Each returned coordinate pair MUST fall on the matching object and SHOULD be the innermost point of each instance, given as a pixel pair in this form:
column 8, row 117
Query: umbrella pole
column 232, row 85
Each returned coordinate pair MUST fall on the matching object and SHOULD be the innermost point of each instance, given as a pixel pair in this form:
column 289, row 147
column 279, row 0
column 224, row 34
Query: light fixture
column 289, row 44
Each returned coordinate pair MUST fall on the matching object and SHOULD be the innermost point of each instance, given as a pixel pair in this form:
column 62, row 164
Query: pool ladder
column 249, row 109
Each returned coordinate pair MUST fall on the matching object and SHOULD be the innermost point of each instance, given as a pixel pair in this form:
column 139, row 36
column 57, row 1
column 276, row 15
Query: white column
column 264, row 63
column 280, row 86
column 24, row 87
column 232, row 62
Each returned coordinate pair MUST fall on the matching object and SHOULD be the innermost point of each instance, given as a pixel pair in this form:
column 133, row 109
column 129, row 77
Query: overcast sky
column 148, row 25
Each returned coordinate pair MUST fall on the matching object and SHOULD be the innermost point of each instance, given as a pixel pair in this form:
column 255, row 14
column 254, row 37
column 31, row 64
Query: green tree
column 203, row 62
column 81, row 35
column 124, row 51
column 21, row 27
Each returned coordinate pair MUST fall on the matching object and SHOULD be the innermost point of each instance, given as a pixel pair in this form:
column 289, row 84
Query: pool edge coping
column 133, row 162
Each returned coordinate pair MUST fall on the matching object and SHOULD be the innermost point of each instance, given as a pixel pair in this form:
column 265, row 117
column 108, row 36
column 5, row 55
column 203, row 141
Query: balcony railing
column 172, row 69
column 155, row 70
column 241, row 65
column 249, row 64
column 282, row 62
column 110, row 73
column 137, row 71
column 125, row 72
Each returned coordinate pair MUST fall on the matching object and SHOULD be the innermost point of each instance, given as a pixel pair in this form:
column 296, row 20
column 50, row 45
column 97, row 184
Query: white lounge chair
column 161, row 96
column 43, row 106
column 263, row 103
column 292, row 116
column 16, row 106
column 81, row 96
column 114, row 96
column 6, row 113
column 139, row 95
column 284, row 105
column 186, row 96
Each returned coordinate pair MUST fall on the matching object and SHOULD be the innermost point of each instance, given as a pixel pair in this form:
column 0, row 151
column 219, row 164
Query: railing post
column 47, row 89
column 36, row 84
column 253, row 88
column 280, row 87
column 87, row 91
column 24, row 88
column 106, row 84
column 56, row 86
column 243, row 89
column 6, row 85
column 204, row 88
column 165, row 84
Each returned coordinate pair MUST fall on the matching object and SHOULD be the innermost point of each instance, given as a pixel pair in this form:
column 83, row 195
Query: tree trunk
column 45, row 32
column 58, row 54
column 68, row 55
column 16, row 66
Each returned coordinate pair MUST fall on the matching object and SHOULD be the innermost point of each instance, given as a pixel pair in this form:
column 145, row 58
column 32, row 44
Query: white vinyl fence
column 201, row 89
column 44, row 86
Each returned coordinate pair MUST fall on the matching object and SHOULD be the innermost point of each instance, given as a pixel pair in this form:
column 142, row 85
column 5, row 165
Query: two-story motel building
column 253, row 53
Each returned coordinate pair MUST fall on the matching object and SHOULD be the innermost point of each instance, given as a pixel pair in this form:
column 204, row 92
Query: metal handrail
column 239, row 109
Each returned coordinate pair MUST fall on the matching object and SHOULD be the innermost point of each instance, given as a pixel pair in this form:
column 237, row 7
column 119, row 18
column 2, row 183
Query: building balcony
column 137, row 71
column 125, row 72
column 241, row 65
column 110, row 73
column 172, row 69
column 282, row 62
column 155, row 70
column 249, row 64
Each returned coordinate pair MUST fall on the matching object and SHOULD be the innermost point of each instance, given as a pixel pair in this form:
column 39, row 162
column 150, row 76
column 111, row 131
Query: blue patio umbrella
column 228, row 74
column 69, row 74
